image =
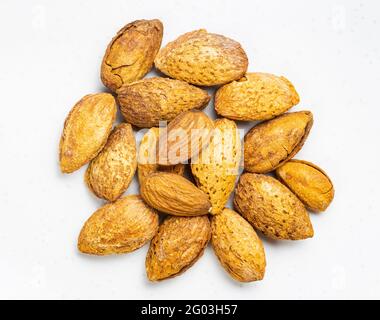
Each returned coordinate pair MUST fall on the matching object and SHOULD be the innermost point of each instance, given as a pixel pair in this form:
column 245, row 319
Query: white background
column 50, row 57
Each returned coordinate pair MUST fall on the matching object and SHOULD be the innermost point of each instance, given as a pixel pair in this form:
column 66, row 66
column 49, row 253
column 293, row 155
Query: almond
column 179, row 243
column 173, row 194
column 272, row 208
column 217, row 166
column 130, row 55
column 256, row 96
column 309, row 183
column 184, row 137
column 86, row 130
column 147, row 161
column 146, row 102
column 111, row 172
column 237, row 246
column 203, row 58
column 270, row 144
column 119, row 227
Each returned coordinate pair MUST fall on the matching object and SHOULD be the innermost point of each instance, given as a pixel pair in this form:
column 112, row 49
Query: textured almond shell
column 272, row 208
column 203, row 58
column 174, row 194
column 257, row 96
column 184, row 137
column 179, row 243
column 147, row 158
column 119, row 227
column 146, row 102
column 217, row 166
column 86, row 130
column 130, row 55
column 237, row 246
column 308, row 182
column 270, row 144
column 111, row 172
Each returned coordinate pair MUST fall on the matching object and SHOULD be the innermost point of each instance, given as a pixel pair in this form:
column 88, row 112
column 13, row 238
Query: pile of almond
column 180, row 213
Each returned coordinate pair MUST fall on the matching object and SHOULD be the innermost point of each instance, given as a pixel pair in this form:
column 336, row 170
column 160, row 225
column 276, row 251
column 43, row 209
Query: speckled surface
column 215, row 169
column 256, row 96
column 271, row 143
column 86, row 130
column 111, row 172
column 203, row 58
column 272, row 208
column 179, row 243
column 119, row 227
column 237, row 246
column 146, row 102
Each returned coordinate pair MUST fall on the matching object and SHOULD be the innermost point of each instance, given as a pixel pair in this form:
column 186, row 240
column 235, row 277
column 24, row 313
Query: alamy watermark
column 214, row 147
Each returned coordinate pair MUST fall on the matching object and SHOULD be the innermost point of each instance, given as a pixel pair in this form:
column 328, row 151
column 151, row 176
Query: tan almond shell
column 272, row 208
column 184, row 137
column 270, row 144
column 119, row 227
column 237, row 246
column 203, row 58
column 111, row 172
column 179, row 243
column 86, row 130
column 174, row 194
column 147, row 157
column 256, row 96
column 216, row 167
column 130, row 54
column 146, row 102
column 308, row 182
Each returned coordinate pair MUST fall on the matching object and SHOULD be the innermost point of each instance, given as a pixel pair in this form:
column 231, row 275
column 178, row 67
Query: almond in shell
column 256, row 96
column 184, row 137
column 179, row 243
column 308, row 182
column 270, row 144
column 146, row 102
column 119, row 227
column 237, row 246
column 216, row 167
column 130, row 55
column 147, row 158
column 86, row 130
column 174, row 194
column 111, row 172
column 272, row 208
column 203, row 58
